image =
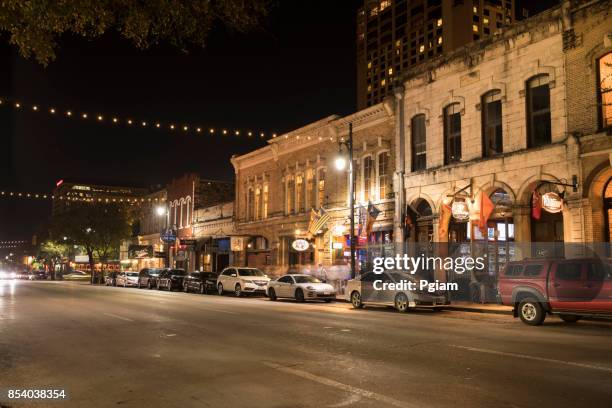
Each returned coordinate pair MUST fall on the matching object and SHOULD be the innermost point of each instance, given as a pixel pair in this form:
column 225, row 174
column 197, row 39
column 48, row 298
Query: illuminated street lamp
column 340, row 163
column 161, row 211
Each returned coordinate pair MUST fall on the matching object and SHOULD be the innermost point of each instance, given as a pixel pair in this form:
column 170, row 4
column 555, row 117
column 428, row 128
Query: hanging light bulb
column 115, row 120
column 100, row 117
column 52, row 110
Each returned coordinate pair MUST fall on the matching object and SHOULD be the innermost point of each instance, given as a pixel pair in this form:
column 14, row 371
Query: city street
column 113, row 346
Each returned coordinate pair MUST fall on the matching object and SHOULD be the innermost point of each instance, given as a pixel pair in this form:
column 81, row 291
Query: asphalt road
column 139, row 348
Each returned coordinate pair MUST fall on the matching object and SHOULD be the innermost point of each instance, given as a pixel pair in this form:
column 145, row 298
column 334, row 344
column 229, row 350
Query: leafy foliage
column 35, row 25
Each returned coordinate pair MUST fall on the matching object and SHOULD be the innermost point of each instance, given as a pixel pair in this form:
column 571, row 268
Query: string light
column 116, row 120
column 42, row 196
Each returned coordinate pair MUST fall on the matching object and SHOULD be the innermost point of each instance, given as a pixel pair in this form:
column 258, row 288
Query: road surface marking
column 526, row 357
column 119, row 317
column 342, row 386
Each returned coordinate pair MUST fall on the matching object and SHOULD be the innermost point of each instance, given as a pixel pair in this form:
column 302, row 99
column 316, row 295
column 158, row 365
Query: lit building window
column 475, row 10
column 384, row 4
column 383, row 82
column 321, row 189
column 290, row 196
column 257, row 204
column 299, row 193
column 605, row 90
column 439, row 22
column 390, row 71
column 369, row 88
column 485, row 20
column 440, row 40
column 264, row 210
column 422, row 48
column 369, row 64
column 398, row 43
column 475, row 28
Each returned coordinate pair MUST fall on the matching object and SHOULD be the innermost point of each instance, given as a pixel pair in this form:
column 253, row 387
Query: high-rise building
column 393, row 35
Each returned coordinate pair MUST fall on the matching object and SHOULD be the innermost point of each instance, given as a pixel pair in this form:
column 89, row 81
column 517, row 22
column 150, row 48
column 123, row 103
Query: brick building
column 186, row 195
column 279, row 184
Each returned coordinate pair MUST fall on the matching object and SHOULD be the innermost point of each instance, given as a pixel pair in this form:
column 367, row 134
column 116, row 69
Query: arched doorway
column 423, row 245
column 547, row 231
column 607, row 207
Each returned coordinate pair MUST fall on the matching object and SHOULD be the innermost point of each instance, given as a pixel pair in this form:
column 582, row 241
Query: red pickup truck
column 569, row 288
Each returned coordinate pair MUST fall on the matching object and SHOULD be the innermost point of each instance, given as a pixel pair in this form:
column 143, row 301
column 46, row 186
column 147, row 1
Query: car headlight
column 13, row 275
column 2, row 275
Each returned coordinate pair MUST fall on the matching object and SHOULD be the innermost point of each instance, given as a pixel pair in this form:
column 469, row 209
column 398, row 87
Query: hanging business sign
column 140, row 251
column 237, row 243
column 168, row 236
column 460, row 211
column 300, row 245
column 552, row 203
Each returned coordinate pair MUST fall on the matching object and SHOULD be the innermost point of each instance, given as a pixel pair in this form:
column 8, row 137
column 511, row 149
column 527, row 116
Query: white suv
column 241, row 280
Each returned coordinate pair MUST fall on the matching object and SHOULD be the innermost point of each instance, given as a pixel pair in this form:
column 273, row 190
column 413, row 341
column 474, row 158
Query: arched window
column 491, row 108
column 251, row 204
column 604, row 88
column 299, row 193
column 417, row 143
column 257, row 203
column 290, row 196
column 538, row 111
column 452, row 133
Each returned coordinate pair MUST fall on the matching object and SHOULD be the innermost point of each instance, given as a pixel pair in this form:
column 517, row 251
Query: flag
column 317, row 221
column 372, row 215
column 486, row 208
column 445, row 214
column 536, row 205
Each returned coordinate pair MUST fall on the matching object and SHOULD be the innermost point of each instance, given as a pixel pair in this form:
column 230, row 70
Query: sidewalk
column 479, row 308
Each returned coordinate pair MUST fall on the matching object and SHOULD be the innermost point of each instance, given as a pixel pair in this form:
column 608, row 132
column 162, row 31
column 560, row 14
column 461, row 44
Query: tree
column 34, row 26
column 99, row 229
column 50, row 253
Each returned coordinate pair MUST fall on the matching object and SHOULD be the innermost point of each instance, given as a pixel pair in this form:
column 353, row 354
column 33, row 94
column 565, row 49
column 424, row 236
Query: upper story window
column 452, row 133
column 264, row 207
column 321, row 188
column 251, row 204
column 291, row 196
column 299, row 193
column 311, row 198
column 538, row 111
column 417, row 143
column 257, row 204
column 368, row 165
column 492, row 140
column 384, row 177
column 605, row 90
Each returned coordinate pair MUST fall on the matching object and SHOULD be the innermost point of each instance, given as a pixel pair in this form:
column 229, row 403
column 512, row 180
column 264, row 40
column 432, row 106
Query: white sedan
column 300, row 288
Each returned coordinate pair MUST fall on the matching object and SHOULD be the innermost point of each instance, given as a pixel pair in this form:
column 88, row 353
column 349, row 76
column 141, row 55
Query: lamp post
column 161, row 211
column 340, row 165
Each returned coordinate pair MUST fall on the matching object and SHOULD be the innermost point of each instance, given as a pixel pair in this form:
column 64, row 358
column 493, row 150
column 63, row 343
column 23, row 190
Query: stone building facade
column 213, row 228
column 278, row 185
column 511, row 117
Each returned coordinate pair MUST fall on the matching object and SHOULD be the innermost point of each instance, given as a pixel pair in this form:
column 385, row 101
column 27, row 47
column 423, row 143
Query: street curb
column 477, row 310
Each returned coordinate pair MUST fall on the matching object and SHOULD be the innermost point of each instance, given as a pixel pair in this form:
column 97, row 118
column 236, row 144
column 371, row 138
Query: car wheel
column 125, row 284
column 531, row 312
column 570, row 318
column 401, row 302
column 272, row 294
column 299, row 295
column 185, row 288
column 238, row 290
column 169, row 285
column 149, row 285
column 220, row 289
column 356, row 300
column 139, row 286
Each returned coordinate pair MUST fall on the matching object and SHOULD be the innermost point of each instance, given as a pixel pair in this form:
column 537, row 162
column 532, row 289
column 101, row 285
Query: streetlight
column 161, row 211
column 340, row 163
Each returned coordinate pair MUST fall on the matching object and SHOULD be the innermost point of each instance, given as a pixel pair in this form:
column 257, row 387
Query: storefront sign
column 552, row 203
column 300, row 245
column 81, row 259
column 460, row 211
column 168, row 236
column 140, row 251
column 187, row 242
column 159, row 254
column 237, row 243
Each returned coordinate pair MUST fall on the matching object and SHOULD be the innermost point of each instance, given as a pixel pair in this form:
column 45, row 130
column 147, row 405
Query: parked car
column 242, row 280
column 569, row 288
column 147, row 277
column 40, row 274
column 201, row 282
column 366, row 290
column 127, row 278
column 77, row 275
column 8, row 275
column 300, row 287
column 171, row 279
column 111, row 279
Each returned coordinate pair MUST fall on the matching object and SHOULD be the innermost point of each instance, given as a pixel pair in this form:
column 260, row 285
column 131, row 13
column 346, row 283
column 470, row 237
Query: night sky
column 296, row 69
